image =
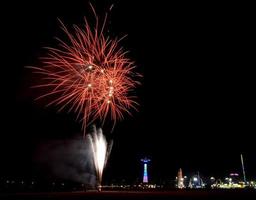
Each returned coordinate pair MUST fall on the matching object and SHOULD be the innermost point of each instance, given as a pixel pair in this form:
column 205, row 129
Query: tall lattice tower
column 145, row 169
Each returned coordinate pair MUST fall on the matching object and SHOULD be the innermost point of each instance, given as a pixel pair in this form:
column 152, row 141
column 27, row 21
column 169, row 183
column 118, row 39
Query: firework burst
column 90, row 74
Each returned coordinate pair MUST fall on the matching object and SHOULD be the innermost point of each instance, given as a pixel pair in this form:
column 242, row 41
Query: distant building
column 196, row 181
column 180, row 180
column 234, row 178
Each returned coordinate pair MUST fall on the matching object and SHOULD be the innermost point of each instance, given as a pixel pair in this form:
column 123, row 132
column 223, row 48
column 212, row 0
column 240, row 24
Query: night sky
column 197, row 98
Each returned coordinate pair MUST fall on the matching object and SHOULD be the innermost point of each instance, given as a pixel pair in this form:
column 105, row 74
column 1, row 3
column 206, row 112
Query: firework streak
column 90, row 74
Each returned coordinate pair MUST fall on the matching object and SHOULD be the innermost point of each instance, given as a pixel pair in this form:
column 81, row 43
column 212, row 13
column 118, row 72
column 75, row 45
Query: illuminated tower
column 180, row 180
column 145, row 171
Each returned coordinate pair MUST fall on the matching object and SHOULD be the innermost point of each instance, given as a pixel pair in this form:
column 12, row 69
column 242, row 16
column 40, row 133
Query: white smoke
column 72, row 159
column 68, row 159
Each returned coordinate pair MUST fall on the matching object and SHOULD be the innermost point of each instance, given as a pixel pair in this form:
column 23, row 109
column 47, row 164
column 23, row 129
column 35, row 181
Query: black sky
column 197, row 96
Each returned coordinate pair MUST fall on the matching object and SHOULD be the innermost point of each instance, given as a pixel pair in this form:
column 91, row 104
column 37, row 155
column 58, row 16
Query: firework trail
column 89, row 75
column 101, row 151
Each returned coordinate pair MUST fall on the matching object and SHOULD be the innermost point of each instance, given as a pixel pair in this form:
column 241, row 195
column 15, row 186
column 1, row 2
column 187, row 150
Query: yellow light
column 90, row 66
column 108, row 101
column 89, row 85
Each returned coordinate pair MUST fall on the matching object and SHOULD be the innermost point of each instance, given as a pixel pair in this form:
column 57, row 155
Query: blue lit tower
column 145, row 171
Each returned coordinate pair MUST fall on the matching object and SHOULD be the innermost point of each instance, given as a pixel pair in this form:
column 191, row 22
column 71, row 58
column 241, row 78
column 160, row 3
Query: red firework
column 90, row 75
